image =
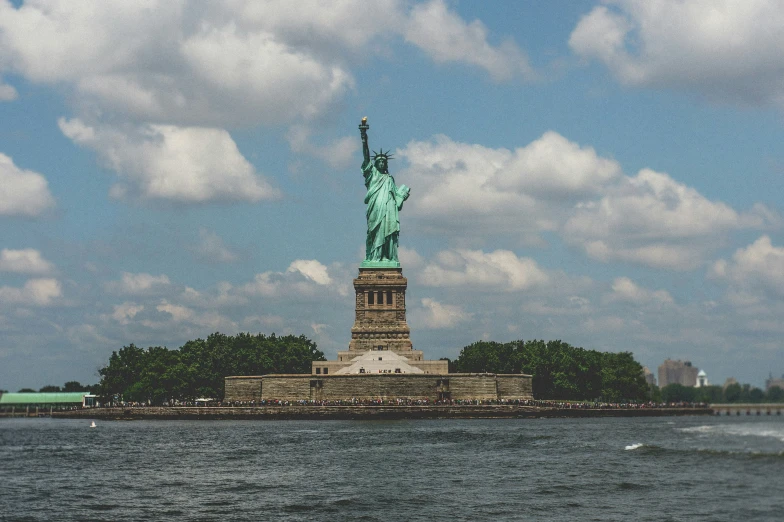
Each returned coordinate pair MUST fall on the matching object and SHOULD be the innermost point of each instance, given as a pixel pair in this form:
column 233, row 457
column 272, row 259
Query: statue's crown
column 381, row 154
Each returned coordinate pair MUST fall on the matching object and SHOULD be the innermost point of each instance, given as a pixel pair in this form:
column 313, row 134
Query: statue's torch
column 363, row 127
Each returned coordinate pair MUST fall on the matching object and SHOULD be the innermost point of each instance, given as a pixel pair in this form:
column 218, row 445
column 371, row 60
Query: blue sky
column 608, row 174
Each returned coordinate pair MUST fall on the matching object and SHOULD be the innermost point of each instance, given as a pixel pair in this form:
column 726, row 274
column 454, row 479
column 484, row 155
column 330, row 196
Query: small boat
column 93, row 425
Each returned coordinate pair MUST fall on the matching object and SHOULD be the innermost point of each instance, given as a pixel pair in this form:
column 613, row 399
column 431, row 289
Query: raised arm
column 363, row 128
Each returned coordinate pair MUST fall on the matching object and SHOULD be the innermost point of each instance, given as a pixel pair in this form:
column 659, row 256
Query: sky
column 609, row 174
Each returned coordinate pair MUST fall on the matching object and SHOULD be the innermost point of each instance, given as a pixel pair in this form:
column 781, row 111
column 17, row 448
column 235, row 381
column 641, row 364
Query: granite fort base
column 455, row 386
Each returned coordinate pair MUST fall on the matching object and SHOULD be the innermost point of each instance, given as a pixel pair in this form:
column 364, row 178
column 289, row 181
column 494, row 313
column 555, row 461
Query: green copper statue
column 384, row 200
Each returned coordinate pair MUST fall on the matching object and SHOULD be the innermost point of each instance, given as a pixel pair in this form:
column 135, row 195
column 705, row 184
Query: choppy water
column 666, row 468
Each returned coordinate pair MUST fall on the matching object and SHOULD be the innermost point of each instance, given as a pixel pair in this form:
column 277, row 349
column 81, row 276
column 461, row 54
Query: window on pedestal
column 380, row 298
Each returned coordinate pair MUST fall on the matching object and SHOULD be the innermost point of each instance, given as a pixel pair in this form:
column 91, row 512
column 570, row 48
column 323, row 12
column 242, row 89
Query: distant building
column 677, row 372
column 702, row 380
column 650, row 378
column 771, row 381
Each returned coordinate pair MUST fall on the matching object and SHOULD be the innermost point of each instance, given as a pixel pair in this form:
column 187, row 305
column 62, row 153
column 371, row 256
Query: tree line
column 70, row 386
column 560, row 371
column 197, row 369
column 734, row 393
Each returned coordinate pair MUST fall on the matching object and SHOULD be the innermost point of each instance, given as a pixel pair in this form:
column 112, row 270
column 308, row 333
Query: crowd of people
column 463, row 402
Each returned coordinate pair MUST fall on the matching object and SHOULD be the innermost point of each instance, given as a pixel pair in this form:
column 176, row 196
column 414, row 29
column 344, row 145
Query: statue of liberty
column 384, row 200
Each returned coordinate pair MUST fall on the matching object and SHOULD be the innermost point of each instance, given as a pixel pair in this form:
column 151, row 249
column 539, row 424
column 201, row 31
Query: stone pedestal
column 380, row 313
column 380, row 323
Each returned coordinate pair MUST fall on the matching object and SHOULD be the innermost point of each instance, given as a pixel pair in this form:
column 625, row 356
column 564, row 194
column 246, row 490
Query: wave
column 653, row 450
column 634, row 446
column 767, row 430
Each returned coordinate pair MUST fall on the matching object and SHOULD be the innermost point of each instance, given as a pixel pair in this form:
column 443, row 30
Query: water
column 665, row 468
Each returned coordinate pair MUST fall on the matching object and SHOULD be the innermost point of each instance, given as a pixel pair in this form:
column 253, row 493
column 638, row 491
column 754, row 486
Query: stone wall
column 474, row 386
column 511, row 387
column 456, row 386
column 244, row 388
column 286, row 387
column 436, row 367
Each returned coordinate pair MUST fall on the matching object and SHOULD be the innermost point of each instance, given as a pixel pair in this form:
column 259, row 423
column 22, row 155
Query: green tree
column 122, row 372
column 678, row 393
column 50, row 389
column 75, row 386
column 656, row 395
column 622, row 378
column 732, row 393
column 26, row 390
column 452, row 367
column 756, row 395
column 485, row 357
column 559, row 371
column 199, row 367
column 710, row 394
column 775, row 394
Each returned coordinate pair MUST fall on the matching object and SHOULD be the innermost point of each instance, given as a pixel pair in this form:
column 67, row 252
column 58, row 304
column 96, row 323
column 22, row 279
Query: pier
column 748, row 409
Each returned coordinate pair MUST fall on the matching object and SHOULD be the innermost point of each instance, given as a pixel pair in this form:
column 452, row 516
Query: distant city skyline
column 604, row 173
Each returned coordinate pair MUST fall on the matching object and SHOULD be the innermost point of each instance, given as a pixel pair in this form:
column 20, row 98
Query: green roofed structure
column 44, row 399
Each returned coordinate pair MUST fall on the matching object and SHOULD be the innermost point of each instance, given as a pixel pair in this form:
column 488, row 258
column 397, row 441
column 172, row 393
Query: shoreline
column 297, row 412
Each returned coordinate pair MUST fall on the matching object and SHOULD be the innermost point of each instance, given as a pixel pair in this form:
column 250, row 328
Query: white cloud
column 338, row 154
column 724, row 49
column 472, row 190
column 85, row 335
column 266, row 321
column 224, row 294
column 438, row 315
column 471, row 193
column 303, row 277
column 211, row 248
column 654, row 220
column 446, row 37
column 499, row 270
column 409, row 258
column 553, row 166
column 7, row 92
column 183, row 164
column 227, row 63
column 181, row 62
column 22, row 192
column 182, row 314
column 754, row 270
column 311, row 269
column 270, row 76
column 138, row 284
column 626, row 290
column 125, row 312
column 319, row 328
column 35, row 292
column 24, row 261
column 569, row 306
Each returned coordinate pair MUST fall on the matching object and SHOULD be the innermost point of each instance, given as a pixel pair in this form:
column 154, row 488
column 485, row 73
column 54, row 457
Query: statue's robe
column 384, row 200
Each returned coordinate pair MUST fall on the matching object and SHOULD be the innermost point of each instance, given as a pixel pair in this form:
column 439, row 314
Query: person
column 384, row 201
